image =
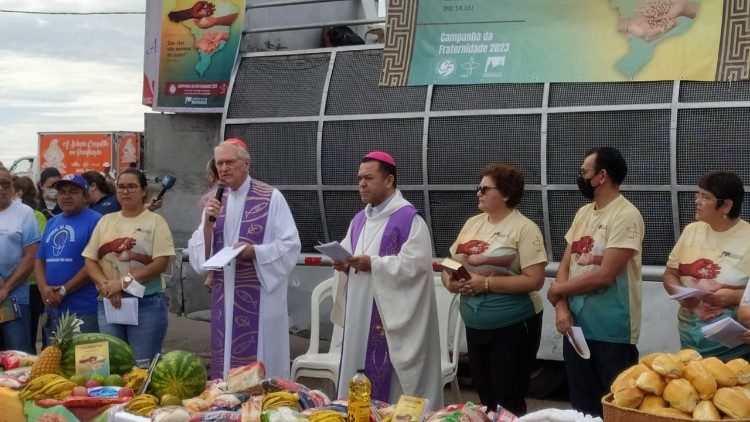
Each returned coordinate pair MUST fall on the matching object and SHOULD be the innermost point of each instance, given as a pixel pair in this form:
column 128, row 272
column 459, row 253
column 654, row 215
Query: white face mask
column 50, row 194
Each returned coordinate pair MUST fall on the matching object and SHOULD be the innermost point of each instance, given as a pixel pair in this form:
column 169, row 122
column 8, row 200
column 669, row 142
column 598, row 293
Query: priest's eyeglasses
column 483, row 189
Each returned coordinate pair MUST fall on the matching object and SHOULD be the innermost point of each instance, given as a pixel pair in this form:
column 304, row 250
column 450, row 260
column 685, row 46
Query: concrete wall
column 181, row 145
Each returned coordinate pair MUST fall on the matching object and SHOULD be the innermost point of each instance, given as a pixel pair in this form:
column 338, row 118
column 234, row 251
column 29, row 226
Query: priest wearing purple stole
column 385, row 295
column 249, row 318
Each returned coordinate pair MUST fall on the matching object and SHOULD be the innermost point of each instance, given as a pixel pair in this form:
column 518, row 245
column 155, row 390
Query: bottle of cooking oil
column 359, row 398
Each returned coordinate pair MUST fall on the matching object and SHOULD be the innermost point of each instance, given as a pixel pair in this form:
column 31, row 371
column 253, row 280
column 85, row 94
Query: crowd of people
column 93, row 249
column 385, row 298
column 72, row 245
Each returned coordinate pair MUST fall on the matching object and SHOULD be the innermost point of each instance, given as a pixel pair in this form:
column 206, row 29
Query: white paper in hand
column 126, row 315
column 223, row 257
column 578, row 341
column 136, row 289
column 334, row 250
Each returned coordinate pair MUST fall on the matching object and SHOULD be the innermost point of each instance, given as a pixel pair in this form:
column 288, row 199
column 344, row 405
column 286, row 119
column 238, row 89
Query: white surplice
column 275, row 259
column 402, row 287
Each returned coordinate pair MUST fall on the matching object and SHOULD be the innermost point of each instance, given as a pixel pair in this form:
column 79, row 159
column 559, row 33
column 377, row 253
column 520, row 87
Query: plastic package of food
column 468, row 412
column 245, row 378
column 11, row 359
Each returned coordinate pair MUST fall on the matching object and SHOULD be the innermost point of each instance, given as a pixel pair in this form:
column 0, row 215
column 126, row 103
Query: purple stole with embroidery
column 378, row 367
column 246, row 310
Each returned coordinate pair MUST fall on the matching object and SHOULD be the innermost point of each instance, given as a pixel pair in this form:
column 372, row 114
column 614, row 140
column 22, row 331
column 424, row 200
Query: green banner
column 510, row 41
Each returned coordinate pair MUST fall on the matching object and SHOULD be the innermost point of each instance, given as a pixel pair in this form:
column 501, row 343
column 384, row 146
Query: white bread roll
column 733, row 402
column 688, row 355
column 622, row 380
column 724, row 375
column 703, row 381
column 651, row 382
column 681, row 395
column 706, row 411
column 670, row 366
column 629, row 397
column 741, row 368
column 649, row 359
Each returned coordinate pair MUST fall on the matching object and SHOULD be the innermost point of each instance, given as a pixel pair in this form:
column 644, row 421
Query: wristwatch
column 62, row 291
column 127, row 281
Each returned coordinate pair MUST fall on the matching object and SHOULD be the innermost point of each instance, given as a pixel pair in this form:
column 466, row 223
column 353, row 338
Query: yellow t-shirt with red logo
column 710, row 260
column 611, row 314
column 507, row 247
column 121, row 244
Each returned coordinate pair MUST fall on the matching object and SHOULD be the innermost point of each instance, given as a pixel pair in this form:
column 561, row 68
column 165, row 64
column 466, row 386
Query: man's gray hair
column 242, row 153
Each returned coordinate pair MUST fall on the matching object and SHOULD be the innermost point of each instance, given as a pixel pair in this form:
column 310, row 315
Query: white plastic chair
column 447, row 310
column 314, row 364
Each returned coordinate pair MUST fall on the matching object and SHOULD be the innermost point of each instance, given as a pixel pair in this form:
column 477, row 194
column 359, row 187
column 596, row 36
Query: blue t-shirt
column 62, row 243
column 18, row 229
column 107, row 205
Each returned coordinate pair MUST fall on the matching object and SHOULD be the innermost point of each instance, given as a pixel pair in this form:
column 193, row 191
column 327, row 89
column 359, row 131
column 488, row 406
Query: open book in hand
column 685, row 292
column 455, row 268
column 725, row 331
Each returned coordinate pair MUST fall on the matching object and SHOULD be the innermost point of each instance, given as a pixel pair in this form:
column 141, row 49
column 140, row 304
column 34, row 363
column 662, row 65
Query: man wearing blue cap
column 59, row 270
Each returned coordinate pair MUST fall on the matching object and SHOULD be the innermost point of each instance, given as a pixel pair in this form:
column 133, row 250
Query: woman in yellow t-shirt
column 500, row 303
column 129, row 251
column 713, row 256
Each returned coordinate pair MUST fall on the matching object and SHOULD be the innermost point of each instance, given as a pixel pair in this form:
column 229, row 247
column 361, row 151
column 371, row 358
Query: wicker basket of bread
column 683, row 385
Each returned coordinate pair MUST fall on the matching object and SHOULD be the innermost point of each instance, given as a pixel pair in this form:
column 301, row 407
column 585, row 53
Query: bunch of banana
column 280, row 398
column 142, row 404
column 327, row 416
column 47, row 386
column 135, row 378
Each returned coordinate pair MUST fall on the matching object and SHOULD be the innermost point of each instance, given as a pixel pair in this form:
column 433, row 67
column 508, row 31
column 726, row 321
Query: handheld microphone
column 219, row 193
column 166, row 183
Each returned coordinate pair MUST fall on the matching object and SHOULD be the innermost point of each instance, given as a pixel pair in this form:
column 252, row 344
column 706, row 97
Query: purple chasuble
column 378, row 367
column 246, row 310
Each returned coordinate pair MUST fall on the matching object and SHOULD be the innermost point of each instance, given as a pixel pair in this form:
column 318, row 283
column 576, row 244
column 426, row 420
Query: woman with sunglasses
column 712, row 255
column 500, row 303
column 126, row 258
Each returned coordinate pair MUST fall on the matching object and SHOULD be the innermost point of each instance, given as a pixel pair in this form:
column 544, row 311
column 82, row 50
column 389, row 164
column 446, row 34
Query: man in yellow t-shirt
column 598, row 283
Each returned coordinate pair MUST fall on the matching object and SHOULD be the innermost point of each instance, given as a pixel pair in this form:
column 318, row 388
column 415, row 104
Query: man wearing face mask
column 598, row 283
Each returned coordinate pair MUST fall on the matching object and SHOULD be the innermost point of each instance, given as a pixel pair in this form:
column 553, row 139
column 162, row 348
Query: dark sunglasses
column 483, row 189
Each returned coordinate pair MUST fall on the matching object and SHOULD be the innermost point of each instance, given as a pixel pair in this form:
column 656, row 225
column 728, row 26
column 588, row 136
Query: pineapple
column 50, row 358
